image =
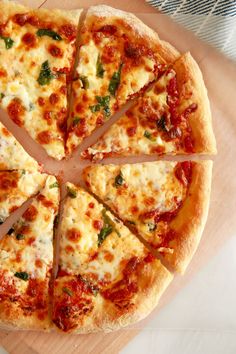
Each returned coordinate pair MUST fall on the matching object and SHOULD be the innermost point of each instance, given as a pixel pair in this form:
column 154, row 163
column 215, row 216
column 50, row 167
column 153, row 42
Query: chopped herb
column 130, row 222
column 105, row 231
column 148, row 135
column 115, row 81
column 2, row 95
column 54, row 185
column 67, row 291
column 95, row 108
column 107, row 111
column 31, row 107
column 72, row 193
column 8, row 42
column 103, row 100
column 23, row 172
column 119, row 180
column 76, row 120
column 100, row 70
column 93, row 288
column 47, row 32
column 151, row 226
column 161, row 123
column 10, row 231
column 46, row 74
column 20, row 237
column 22, row 275
column 85, row 82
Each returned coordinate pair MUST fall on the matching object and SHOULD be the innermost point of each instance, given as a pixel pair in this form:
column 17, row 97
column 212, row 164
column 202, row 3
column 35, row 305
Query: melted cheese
column 148, row 186
column 12, row 154
column 110, row 255
column 22, row 256
column 28, row 184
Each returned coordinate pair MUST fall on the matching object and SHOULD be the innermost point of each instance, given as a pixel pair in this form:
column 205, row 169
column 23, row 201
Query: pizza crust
column 190, row 83
column 191, row 219
column 106, row 317
column 164, row 49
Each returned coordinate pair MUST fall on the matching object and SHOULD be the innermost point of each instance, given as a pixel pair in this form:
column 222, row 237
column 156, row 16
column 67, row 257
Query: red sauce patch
column 54, row 98
column 44, row 137
column 55, row 51
column 16, row 111
column 73, row 235
column 97, row 224
column 91, row 205
column 183, row 172
column 131, row 131
column 8, row 180
column 3, row 73
column 69, row 31
column 30, row 214
column 47, row 115
column 29, row 39
column 41, row 101
column 108, row 30
column 47, row 203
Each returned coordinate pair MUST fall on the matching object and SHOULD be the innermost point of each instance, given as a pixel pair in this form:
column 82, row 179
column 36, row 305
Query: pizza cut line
column 122, row 240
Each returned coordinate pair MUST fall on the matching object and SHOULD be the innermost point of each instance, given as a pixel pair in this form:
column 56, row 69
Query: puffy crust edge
column 191, row 220
column 157, row 277
column 15, row 319
column 190, row 80
column 11, row 8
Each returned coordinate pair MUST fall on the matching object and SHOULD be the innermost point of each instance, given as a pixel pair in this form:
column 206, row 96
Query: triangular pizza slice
column 165, row 202
column 12, row 154
column 16, row 187
column 107, row 279
column 26, row 256
column 37, row 55
column 119, row 56
column 173, row 117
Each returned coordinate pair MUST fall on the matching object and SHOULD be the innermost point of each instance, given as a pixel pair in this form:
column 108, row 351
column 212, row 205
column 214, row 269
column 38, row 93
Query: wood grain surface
column 220, row 77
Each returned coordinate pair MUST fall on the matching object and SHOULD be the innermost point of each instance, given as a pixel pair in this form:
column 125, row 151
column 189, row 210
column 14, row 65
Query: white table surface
column 201, row 319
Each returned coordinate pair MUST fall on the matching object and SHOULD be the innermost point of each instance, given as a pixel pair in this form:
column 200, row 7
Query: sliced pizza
column 16, row 187
column 119, row 57
column 107, row 279
column 173, row 117
column 26, row 256
column 40, row 47
column 165, row 202
column 12, row 154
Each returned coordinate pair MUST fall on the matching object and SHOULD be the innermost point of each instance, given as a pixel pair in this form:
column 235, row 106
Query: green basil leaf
column 95, row 108
column 54, row 185
column 161, row 124
column 67, row 291
column 72, row 193
column 99, row 68
column 20, row 237
column 85, row 82
column 2, row 95
column 148, row 135
column 115, row 81
column 103, row 100
column 8, row 42
column 107, row 111
column 76, row 121
column 22, row 275
column 45, row 75
column 119, row 180
column 105, row 231
column 47, row 32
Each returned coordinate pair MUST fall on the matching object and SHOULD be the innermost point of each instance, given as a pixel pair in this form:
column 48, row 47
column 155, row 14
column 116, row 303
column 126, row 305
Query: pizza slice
column 40, row 46
column 12, row 154
column 16, row 187
column 173, row 117
column 119, row 57
column 165, row 202
column 26, row 256
column 107, row 279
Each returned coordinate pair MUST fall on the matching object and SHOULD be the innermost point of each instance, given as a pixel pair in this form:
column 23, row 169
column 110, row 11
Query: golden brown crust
column 190, row 222
column 13, row 317
column 191, row 85
column 107, row 317
column 169, row 53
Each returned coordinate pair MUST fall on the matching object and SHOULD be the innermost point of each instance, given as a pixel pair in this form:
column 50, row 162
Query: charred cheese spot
column 16, row 111
column 30, row 214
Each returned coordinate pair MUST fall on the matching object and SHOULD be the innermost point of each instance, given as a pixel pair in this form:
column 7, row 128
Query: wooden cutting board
column 220, row 77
